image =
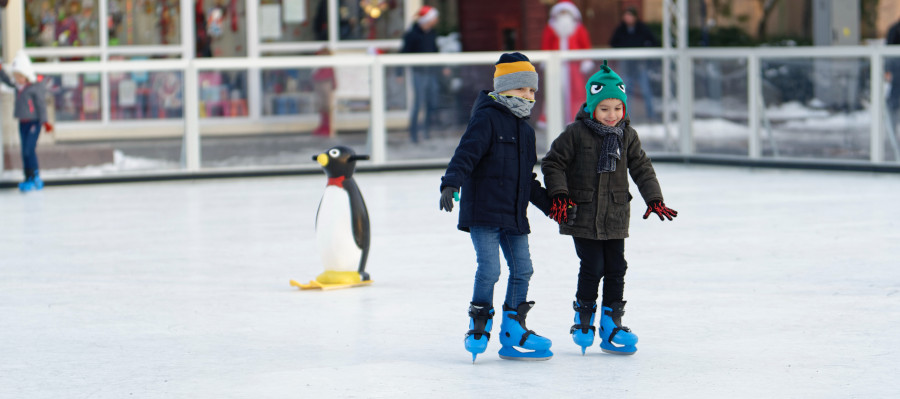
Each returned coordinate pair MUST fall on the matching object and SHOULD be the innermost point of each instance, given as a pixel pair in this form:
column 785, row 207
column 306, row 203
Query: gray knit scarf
column 519, row 106
column 611, row 151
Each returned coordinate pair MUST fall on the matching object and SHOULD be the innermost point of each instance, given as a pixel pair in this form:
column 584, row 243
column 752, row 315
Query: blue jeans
column 518, row 259
column 425, row 95
column 28, row 137
column 634, row 72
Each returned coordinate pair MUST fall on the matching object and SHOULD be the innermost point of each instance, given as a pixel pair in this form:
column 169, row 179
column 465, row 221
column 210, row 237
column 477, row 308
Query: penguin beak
column 322, row 159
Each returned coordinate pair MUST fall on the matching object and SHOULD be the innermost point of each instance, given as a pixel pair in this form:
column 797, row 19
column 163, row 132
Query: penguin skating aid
column 342, row 224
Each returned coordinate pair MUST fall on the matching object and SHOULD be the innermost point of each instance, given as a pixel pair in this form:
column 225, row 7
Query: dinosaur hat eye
column 334, row 152
column 596, row 87
column 621, row 87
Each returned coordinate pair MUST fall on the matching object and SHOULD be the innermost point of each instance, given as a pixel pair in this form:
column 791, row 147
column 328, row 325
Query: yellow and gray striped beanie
column 514, row 71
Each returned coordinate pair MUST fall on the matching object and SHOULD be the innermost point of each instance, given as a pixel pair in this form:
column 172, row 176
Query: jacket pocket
column 506, row 146
column 619, row 212
column 581, row 196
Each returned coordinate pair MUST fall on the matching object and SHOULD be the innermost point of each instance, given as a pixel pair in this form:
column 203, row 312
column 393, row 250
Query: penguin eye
column 596, row 88
column 334, row 152
column 621, row 87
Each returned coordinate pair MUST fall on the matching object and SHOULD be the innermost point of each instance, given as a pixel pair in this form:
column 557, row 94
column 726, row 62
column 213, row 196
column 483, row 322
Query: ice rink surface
column 769, row 284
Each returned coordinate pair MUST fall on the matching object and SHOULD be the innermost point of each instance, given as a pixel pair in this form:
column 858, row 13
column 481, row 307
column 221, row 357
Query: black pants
column 601, row 259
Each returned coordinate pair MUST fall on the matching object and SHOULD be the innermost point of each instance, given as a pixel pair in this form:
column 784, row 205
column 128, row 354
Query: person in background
column 31, row 110
column 634, row 33
column 892, row 73
column 421, row 38
column 324, row 84
column 564, row 31
column 67, row 27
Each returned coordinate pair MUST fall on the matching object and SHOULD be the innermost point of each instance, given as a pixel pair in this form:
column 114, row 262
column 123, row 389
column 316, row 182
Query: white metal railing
column 552, row 63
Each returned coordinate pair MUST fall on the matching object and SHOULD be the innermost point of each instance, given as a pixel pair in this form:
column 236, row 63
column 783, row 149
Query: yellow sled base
column 332, row 280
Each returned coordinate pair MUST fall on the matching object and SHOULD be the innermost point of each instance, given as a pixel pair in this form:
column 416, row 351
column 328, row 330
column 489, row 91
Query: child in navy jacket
column 493, row 165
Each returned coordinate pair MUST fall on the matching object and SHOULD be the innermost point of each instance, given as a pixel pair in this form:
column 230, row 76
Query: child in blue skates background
column 586, row 168
column 31, row 110
column 493, row 164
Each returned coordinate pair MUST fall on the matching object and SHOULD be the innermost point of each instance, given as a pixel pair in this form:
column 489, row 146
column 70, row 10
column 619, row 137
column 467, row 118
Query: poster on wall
column 91, row 99
column 70, row 80
column 270, row 21
column 294, row 11
column 127, row 93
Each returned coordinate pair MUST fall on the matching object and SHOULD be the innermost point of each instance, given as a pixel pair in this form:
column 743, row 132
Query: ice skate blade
column 511, row 353
column 621, row 351
column 583, row 340
column 476, row 346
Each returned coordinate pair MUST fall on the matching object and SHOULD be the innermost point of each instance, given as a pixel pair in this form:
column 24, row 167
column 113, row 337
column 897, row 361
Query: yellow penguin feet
column 331, row 279
column 334, row 277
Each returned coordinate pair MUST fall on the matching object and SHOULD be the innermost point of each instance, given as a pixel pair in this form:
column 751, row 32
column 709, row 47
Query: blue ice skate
column 514, row 333
column 617, row 339
column 480, row 323
column 38, row 183
column 583, row 333
column 26, row 185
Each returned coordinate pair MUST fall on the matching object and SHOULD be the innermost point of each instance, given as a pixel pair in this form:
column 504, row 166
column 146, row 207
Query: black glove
column 563, row 209
column 447, row 195
column 660, row 209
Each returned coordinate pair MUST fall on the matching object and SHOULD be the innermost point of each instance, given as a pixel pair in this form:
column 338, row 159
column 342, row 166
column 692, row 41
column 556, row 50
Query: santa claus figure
column 566, row 32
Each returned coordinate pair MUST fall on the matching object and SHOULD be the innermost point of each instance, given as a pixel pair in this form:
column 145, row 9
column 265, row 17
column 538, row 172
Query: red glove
column 660, row 209
column 563, row 209
column 48, row 127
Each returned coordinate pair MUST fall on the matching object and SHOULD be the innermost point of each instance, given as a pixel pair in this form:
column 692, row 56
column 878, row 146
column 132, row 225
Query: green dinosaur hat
column 604, row 84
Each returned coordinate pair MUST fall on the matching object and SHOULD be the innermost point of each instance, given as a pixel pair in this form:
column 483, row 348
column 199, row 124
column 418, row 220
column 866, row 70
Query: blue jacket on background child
column 493, row 164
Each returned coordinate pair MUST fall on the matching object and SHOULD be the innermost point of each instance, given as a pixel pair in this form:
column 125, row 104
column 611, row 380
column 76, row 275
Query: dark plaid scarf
column 611, row 151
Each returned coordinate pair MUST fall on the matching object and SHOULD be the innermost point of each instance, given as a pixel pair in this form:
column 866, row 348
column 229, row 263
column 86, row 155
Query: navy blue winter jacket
column 494, row 165
column 416, row 40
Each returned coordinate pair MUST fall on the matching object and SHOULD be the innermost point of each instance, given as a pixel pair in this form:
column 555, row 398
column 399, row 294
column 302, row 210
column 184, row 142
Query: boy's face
column 524, row 92
column 609, row 112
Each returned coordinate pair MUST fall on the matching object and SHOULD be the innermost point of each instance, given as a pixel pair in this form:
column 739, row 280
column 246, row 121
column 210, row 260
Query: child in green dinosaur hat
column 602, row 86
column 586, row 173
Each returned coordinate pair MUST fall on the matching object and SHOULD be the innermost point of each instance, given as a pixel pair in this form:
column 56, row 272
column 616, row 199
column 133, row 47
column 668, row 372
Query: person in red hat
column 564, row 31
column 421, row 38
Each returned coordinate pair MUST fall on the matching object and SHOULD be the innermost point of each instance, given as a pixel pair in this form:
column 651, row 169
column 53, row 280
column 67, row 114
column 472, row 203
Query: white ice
column 769, row 284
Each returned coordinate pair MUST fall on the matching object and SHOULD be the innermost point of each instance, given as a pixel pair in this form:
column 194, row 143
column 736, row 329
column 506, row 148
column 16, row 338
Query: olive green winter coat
column 570, row 167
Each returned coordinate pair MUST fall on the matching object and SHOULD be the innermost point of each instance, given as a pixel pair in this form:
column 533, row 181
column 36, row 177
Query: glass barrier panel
column 76, row 96
column 428, row 108
column 223, row 94
column 146, row 95
column 815, row 108
column 293, row 21
column 56, row 23
column 643, row 83
column 221, row 29
column 304, row 112
column 892, row 109
column 144, row 22
column 370, row 19
column 81, row 145
column 720, row 107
